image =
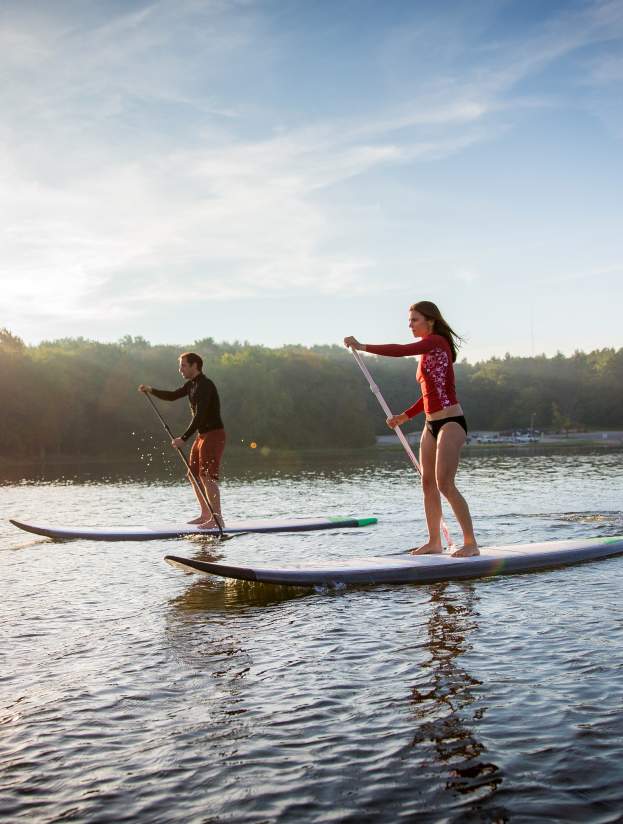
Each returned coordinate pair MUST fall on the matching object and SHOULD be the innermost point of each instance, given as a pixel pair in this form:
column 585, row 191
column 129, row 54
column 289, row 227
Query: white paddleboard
column 500, row 560
column 153, row 533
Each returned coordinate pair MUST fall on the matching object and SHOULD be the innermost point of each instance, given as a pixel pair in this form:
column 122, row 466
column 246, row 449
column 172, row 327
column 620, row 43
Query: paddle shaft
column 196, row 481
column 401, row 436
column 383, row 403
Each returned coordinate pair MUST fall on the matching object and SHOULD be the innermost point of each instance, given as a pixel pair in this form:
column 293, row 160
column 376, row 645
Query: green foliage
column 79, row 397
column 10, row 342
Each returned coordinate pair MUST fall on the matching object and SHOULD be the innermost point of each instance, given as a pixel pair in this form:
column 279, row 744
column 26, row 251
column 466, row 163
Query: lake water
column 130, row 691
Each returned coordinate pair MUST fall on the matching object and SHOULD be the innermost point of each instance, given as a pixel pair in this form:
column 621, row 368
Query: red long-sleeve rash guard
column 435, row 372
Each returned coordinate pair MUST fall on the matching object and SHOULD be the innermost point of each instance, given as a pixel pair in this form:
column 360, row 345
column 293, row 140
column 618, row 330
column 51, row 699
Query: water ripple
column 129, row 691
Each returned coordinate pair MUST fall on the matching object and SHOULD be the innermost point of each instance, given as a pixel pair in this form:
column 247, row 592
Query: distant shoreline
column 485, row 440
column 578, row 440
column 546, row 445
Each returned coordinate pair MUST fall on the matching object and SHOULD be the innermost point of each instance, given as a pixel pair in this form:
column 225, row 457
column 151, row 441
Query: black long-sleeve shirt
column 204, row 404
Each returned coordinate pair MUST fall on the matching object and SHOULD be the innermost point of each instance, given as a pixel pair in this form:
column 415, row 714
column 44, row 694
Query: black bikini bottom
column 434, row 426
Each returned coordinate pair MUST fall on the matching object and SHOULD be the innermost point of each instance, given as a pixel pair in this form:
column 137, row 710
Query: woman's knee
column 446, row 486
column 429, row 484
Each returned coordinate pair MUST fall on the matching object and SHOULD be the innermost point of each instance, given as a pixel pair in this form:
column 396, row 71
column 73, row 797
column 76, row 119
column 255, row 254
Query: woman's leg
column 432, row 501
column 449, row 444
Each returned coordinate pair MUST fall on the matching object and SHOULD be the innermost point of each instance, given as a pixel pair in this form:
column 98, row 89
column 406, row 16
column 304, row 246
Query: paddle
column 401, row 436
column 196, row 480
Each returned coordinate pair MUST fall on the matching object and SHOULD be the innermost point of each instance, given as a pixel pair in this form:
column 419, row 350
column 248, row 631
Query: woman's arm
column 403, row 417
column 402, row 350
column 414, row 410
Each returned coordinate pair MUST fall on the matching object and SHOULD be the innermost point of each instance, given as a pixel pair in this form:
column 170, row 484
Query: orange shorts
column 206, row 453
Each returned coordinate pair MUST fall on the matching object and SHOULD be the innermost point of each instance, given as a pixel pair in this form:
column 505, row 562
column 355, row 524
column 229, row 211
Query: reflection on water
column 207, row 593
column 132, row 691
column 237, row 465
column 442, row 706
column 162, row 465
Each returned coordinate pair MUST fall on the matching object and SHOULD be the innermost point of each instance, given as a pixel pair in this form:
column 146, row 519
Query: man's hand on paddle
column 397, row 420
column 352, row 343
column 145, row 389
column 177, row 443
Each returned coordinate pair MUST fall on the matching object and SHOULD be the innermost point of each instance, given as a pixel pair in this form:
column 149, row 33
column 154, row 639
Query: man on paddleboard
column 207, row 426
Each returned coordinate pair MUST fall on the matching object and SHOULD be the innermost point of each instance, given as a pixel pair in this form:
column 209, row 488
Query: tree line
column 78, row 397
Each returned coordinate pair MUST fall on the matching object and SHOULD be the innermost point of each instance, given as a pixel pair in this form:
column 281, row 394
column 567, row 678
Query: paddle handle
column 401, row 436
column 196, row 481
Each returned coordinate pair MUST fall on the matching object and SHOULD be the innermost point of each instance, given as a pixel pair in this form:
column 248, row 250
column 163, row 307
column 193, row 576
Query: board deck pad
column 153, row 533
column 400, row 569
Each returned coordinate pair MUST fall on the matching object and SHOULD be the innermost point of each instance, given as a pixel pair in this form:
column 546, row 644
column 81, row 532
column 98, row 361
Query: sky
column 285, row 171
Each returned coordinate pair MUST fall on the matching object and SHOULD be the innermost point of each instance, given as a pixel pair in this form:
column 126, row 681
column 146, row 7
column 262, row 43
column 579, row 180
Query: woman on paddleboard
column 445, row 429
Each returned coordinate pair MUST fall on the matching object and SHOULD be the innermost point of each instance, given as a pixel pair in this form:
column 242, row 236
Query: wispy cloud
column 129, row 166
column 592, row 275
column 605, row 70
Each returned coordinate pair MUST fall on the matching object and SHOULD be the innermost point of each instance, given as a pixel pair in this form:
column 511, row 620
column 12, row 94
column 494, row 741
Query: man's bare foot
column 466, row 551
column 429, row 548
column 198, row 520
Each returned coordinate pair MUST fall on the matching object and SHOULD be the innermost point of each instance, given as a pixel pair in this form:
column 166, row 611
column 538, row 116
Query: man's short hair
column 192, row 357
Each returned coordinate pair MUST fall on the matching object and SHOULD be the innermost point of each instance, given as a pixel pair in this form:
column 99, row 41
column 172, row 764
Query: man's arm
column 205, row 397
column 170, row 394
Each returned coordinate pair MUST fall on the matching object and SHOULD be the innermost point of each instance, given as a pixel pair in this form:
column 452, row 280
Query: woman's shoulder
column 438, row 342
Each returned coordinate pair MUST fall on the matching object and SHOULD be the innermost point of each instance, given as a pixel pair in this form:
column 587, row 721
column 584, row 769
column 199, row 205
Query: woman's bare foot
column 211, row 523
column 429, row 548
column 198, row 520
column 466, row 551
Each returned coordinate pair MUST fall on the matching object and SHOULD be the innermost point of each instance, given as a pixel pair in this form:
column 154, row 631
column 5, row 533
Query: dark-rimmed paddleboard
column 154, row 533
column 400, row 569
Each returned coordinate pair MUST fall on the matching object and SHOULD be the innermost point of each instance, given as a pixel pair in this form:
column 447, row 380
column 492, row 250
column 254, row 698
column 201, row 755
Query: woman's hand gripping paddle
column 401, row 436
column 195, row 480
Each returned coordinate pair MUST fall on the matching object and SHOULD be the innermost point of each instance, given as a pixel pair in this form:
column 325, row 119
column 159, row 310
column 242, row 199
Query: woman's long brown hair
column 440, row 324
